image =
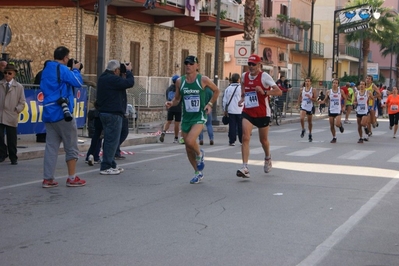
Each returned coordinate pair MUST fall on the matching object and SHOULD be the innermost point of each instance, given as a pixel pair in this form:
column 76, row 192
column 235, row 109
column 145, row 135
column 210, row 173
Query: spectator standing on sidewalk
column 57, row 84
column 112, row 103
column 231, row 97
column 208, row 124
column 3, row 64
column 174, row 112
column 190, row 89
column 306, row 97
column 320, row 100
column 256, row 87
column 12, row 102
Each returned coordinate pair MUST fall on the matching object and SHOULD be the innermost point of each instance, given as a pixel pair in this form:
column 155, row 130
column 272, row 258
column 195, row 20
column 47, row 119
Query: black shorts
column 259, row 122
column 308, row 112
column 176, row 115
column 361, row 115
column 333, row 115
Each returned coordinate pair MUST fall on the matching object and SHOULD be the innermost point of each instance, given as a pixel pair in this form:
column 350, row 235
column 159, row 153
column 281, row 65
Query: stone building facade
column 159, row 48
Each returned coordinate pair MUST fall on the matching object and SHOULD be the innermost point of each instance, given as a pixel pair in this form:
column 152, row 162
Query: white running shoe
column 267, row 167
column 90, row 161
column 243, row 172
column 110, row 171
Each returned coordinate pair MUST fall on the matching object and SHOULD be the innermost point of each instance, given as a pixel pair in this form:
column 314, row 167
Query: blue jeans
column 112, row 126
column 209, row 128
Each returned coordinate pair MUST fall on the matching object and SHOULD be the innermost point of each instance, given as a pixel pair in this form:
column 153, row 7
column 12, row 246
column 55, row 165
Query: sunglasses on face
column 8, row 73
column 251, row 64
column 189, row 63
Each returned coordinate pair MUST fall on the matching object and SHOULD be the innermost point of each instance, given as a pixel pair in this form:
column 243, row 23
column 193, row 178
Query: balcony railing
column 353, row 51
column 317, row 47
column 228, row 10
column 281, row 28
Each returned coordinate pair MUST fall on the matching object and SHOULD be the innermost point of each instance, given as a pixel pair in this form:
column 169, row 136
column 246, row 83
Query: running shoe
column 181, row 140
column 211, row 142
column 303, row 133
column 390, row 128
column 334, row 140
column 243, row 172
column 162, row 137
column 176, row 140
column 347, row 122
column 49, row 183
column 267, row 166
column 197, row 178
column 376, row 124
column 90, row 161
column 366, row 139
column 366, row 130
column 341, row 129
column 76, row 182
column 310, row 138
column 120, row 169
column 360, row 140
column 110, row 171
column 200, row 161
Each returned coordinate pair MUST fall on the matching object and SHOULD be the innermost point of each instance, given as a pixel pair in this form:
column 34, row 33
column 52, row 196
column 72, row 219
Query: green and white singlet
column 193, row 101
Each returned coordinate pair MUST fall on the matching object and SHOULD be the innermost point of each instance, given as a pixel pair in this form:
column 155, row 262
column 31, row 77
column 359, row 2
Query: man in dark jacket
column 112, row 102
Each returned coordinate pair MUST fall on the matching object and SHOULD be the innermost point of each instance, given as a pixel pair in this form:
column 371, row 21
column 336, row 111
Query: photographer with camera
column 57, row 84
column 112, row 102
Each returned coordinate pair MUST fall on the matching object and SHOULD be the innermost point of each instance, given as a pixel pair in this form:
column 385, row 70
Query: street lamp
column 311, row 39
column 216, row 62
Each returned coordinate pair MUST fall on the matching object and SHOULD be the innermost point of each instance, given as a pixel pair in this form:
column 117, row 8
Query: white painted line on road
column 309, row 151
column 285, row 130
column 324, row 249
column 316, row 131
column 141, row 146
column 168, row 148
column 219, row 148
column 378, row 133
column 318, row 168
column 260, row 149
column 356, row 155
column 90, row 171
column 394, row 159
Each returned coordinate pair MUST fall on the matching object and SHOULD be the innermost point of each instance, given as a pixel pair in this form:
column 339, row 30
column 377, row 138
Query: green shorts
column 186, row 127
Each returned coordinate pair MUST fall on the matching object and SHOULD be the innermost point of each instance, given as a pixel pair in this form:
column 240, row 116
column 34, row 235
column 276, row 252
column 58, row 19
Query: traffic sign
column 240, row 61
column 242, row 49
column 5, row 34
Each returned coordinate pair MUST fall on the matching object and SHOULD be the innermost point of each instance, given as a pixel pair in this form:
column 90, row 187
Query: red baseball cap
column 254, row 59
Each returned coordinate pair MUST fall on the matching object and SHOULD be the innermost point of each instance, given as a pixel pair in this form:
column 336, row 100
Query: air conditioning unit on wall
column 283, row 57
column 227, row 57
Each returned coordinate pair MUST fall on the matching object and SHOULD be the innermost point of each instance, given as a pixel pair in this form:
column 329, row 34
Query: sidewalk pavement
column 28, row 148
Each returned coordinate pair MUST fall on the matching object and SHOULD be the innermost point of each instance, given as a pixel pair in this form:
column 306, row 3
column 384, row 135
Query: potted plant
column 274, row 30
column 223, row 14
column 282, row 17
column 305, row 25
column 295, row 21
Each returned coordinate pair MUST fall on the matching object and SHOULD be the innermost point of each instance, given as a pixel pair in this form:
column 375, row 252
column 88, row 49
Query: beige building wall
column 36, row 32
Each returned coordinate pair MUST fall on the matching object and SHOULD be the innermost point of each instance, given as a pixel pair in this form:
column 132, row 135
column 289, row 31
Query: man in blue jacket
column 112, row 102
column 57, row 84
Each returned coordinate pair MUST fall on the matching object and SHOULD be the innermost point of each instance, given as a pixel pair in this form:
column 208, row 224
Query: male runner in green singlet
column 190, row 89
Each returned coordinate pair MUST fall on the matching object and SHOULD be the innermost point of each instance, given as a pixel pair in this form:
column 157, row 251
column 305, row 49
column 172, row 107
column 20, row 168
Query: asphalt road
column 322, row 204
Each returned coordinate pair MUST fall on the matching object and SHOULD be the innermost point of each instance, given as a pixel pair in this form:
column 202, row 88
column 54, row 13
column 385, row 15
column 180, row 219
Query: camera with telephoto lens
column 71, row 62
column 64, row 104
column 123, row 68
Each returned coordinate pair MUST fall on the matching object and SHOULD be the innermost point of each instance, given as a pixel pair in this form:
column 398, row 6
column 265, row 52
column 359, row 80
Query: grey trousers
column 57, row 132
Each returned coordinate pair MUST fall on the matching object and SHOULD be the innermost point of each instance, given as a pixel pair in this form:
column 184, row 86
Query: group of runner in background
column 368, row 100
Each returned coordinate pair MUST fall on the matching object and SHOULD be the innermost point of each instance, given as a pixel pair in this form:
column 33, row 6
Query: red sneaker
column 49, row 183
column 77, row 182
